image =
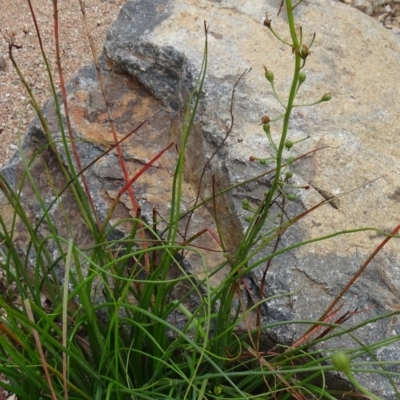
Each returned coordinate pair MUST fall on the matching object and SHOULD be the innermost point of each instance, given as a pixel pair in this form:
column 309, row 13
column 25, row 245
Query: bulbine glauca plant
column 281, row 158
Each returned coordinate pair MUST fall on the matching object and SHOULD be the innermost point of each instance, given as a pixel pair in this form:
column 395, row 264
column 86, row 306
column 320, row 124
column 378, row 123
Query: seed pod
column 245, row 203
column 267, row 128
column 302, row 77
column 326, row 97
column 288, row 144
column 270, row 76
column 290, row 160
column 291, row 196
column 289, row 174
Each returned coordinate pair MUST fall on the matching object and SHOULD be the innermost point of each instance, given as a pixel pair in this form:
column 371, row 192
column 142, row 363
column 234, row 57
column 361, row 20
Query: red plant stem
column 110, row 116
column 6, row 331
column 65, row 102
column 114, row 132
column 143, row 170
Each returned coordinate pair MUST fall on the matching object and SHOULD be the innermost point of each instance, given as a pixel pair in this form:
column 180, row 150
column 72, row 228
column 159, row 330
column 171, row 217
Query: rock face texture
column 152, row 56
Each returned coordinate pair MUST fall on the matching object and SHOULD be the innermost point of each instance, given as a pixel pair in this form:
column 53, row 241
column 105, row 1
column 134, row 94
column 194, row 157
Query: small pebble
column 3, row 63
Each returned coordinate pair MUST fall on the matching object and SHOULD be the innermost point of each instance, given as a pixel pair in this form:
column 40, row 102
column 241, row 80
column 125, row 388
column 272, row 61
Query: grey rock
column 359, row 125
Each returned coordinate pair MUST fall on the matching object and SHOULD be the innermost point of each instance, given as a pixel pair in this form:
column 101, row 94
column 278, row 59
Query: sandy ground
column 16, row 24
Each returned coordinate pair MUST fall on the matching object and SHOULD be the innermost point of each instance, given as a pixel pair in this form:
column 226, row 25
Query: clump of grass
column 145, row 340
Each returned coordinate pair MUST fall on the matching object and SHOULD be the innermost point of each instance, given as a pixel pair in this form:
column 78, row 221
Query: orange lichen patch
column 143, row 107
column 82, row 96
column 129, row 105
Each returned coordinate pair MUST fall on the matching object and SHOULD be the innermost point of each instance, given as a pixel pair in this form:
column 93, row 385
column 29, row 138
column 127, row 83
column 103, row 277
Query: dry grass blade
column 265, row 363
column 40, row 348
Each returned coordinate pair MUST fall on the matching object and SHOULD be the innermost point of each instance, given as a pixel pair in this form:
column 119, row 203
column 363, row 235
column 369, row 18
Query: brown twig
column 40, row 349
column 357, row 274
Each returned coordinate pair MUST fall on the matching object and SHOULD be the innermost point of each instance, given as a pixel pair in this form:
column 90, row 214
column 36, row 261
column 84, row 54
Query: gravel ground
column 15, row 19
column 387, row 12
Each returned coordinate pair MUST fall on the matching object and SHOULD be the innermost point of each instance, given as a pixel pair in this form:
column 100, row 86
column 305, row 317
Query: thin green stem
column 253, row 231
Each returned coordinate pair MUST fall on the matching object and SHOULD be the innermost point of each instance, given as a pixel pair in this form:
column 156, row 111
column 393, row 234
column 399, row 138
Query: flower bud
column 248, row 218
column 267, row 128
column 245, row 203
column 341, row 361
column 217, row 390
column 288, row 174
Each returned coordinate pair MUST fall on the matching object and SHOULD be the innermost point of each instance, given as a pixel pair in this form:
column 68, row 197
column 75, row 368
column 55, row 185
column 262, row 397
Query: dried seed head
column 267, row 22
column 265, row 119
column 304, row 52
